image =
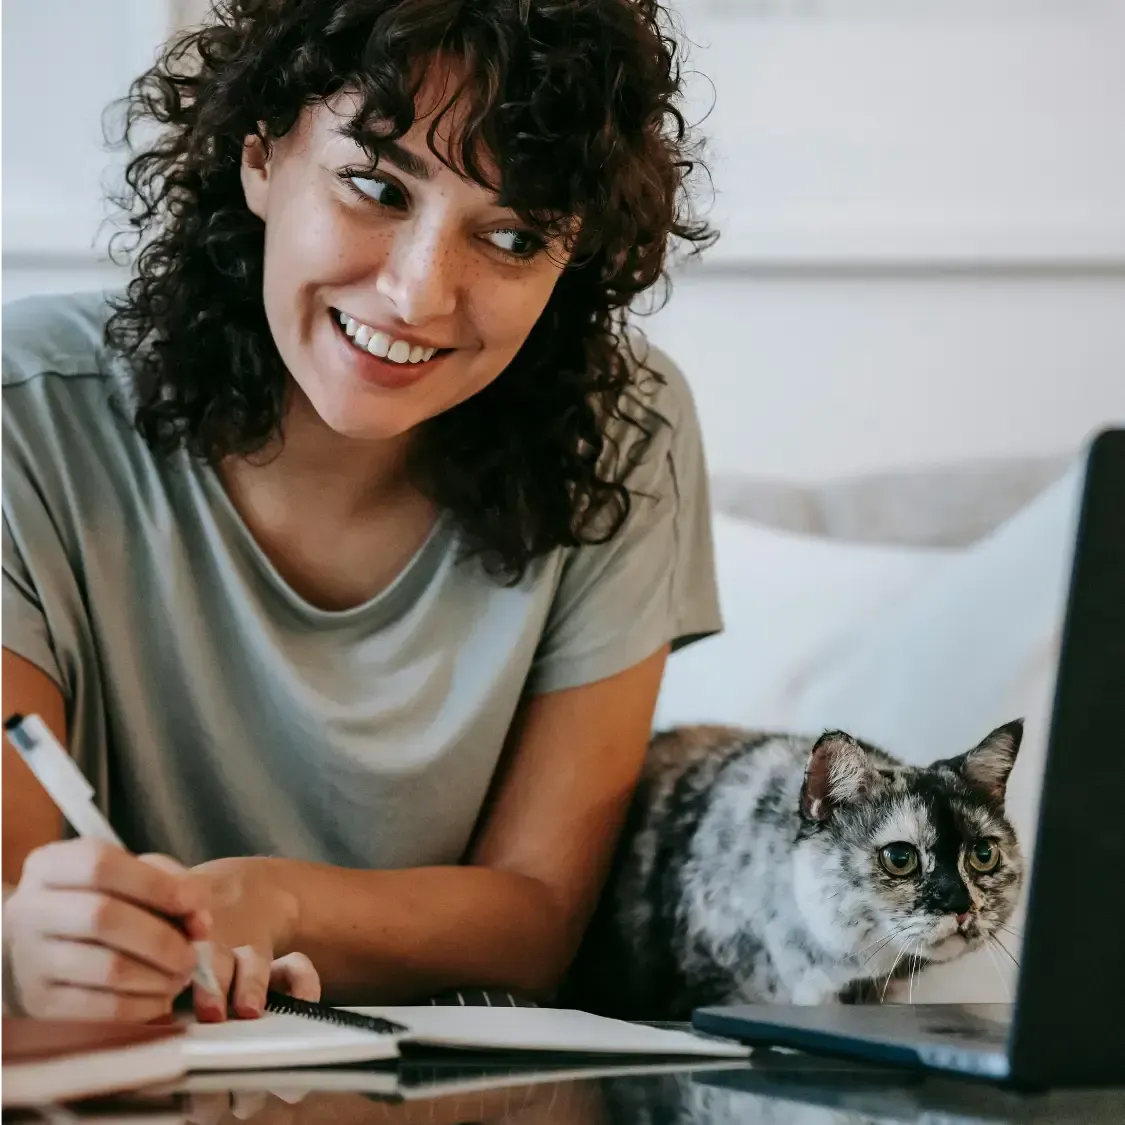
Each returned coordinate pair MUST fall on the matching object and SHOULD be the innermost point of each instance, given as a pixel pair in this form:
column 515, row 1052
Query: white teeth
column 384, row 346
column 379, row 344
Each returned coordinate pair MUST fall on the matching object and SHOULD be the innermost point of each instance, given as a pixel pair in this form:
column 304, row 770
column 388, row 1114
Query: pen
column 58, row 773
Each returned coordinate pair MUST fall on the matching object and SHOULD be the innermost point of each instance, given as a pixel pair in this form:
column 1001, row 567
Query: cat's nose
column 962, row 919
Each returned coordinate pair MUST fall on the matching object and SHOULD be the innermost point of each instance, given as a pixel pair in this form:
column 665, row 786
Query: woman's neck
column 338, row 518
column 342, row 478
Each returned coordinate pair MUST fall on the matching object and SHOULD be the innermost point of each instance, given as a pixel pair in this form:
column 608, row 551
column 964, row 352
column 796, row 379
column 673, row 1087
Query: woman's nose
column 420, row 275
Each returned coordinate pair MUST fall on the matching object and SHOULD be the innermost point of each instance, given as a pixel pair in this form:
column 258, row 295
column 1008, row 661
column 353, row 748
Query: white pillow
column 790, row 603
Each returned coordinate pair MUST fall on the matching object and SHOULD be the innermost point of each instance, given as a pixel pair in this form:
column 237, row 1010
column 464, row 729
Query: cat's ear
column 838, row 771
column 987, row 767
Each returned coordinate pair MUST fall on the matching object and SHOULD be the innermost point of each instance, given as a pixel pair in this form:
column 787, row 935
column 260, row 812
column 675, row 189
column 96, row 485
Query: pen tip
column 13, row 721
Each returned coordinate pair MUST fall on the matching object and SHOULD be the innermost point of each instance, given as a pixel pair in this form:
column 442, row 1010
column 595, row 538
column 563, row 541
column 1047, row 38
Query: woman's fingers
column 86, row 965
column 65, row 1001
column 245, row 974
column 295, row 975
column 209, row 1007
column 120, row 925
column 251, row 979
column 93, row 865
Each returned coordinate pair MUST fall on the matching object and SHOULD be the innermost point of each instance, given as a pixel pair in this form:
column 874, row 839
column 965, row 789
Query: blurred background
column 922, row 205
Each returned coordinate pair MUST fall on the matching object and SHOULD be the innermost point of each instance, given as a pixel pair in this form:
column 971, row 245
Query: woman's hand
column 253, row 918
column 94, row 932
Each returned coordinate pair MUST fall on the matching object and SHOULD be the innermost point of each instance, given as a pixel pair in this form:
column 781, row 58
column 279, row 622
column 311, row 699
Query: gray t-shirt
column 218, row 713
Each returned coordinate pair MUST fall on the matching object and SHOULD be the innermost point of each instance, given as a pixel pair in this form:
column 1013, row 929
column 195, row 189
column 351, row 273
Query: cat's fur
column 749, row 872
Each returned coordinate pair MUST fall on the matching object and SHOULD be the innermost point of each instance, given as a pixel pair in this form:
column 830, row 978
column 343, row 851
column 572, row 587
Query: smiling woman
column 344, row 548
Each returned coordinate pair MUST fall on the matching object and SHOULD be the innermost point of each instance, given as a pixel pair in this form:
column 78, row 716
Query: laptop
column 1065, row 1025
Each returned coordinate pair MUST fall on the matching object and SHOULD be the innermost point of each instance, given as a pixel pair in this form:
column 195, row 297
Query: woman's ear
column 255, row 174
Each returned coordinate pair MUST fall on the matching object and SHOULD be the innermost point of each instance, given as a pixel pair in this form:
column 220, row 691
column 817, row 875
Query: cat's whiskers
column 882, row 948
column 996, row 965
column 996, row 938
column 881, row 941
column 887, row 982
column 915, row 963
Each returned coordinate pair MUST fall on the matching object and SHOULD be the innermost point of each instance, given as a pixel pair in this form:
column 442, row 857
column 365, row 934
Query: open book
column 281, row 1040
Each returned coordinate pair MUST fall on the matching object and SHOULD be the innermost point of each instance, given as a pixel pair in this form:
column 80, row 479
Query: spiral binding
column 291, row 1006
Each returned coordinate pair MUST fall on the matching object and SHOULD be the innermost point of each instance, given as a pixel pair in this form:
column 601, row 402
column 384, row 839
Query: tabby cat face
column 897, row 862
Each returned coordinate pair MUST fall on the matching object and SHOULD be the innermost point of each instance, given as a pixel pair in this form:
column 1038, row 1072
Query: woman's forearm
column 399, row 936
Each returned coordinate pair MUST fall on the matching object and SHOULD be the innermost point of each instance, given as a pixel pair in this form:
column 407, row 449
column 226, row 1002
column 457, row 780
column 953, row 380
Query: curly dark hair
column 575, row 101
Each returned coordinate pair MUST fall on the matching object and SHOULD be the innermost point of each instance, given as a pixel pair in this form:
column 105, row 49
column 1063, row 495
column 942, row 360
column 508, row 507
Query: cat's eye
column 984, row 856
column 899, row 860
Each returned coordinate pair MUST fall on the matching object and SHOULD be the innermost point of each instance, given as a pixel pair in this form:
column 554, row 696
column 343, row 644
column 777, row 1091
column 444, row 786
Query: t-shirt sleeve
column 44, row 610
column 46, row 339
column 653, row 583
column 26, row 632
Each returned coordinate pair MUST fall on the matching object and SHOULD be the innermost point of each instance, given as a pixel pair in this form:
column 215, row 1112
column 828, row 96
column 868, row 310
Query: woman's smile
column 377, row 357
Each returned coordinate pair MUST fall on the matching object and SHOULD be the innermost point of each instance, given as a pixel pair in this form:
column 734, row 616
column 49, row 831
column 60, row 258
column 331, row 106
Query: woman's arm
column 514, row 915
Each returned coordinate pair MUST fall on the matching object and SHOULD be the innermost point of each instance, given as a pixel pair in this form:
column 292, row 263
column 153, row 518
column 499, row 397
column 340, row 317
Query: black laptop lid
column 1069, row 1023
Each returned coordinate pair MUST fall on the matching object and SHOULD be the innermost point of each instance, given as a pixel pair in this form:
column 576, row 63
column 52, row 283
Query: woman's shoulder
column 660, row 383
column 58, row 334
column 661, row 416
column 63, row 401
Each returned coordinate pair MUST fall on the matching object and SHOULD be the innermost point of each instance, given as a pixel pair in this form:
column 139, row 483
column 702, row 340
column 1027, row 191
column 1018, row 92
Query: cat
column 773, row 868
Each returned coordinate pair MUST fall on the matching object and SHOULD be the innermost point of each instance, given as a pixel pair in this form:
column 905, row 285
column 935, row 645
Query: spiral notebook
column 295, row 1033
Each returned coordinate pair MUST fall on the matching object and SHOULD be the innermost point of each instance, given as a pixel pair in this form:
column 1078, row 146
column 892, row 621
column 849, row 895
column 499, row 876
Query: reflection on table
column 774, row 1088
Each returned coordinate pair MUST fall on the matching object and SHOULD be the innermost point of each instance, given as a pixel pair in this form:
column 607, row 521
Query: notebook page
column 558, row 1030
column 276, row 1041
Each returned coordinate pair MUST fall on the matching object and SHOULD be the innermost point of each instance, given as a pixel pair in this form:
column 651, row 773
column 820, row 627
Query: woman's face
column 367, row 273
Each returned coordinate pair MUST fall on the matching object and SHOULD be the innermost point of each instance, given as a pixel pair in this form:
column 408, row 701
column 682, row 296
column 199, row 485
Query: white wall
column 923, row 205
column 818, row 374
column 923, row 215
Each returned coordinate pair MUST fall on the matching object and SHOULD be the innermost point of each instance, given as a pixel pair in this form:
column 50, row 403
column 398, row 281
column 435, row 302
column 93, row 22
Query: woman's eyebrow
column 417, row 166
column 395, row 153
column 405, row 160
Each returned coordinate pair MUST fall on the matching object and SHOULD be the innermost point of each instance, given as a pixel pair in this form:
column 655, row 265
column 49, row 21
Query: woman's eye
column 380, row 191
column 899, row 860
column 984, row 856
column 518, row 243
